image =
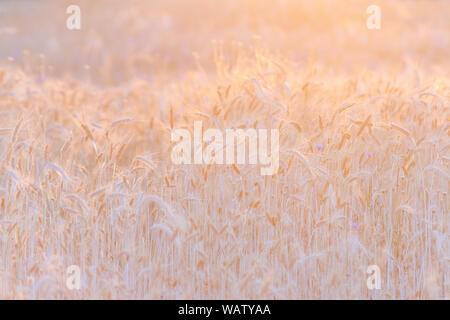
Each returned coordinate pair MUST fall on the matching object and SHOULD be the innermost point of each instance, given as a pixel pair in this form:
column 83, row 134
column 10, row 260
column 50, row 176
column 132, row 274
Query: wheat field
column 86, row 176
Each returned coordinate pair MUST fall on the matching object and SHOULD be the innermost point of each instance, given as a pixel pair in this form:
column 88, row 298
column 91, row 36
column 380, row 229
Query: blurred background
column 120, row 40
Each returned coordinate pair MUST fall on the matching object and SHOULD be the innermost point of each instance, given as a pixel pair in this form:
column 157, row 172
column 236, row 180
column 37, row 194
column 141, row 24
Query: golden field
column 86, row 176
